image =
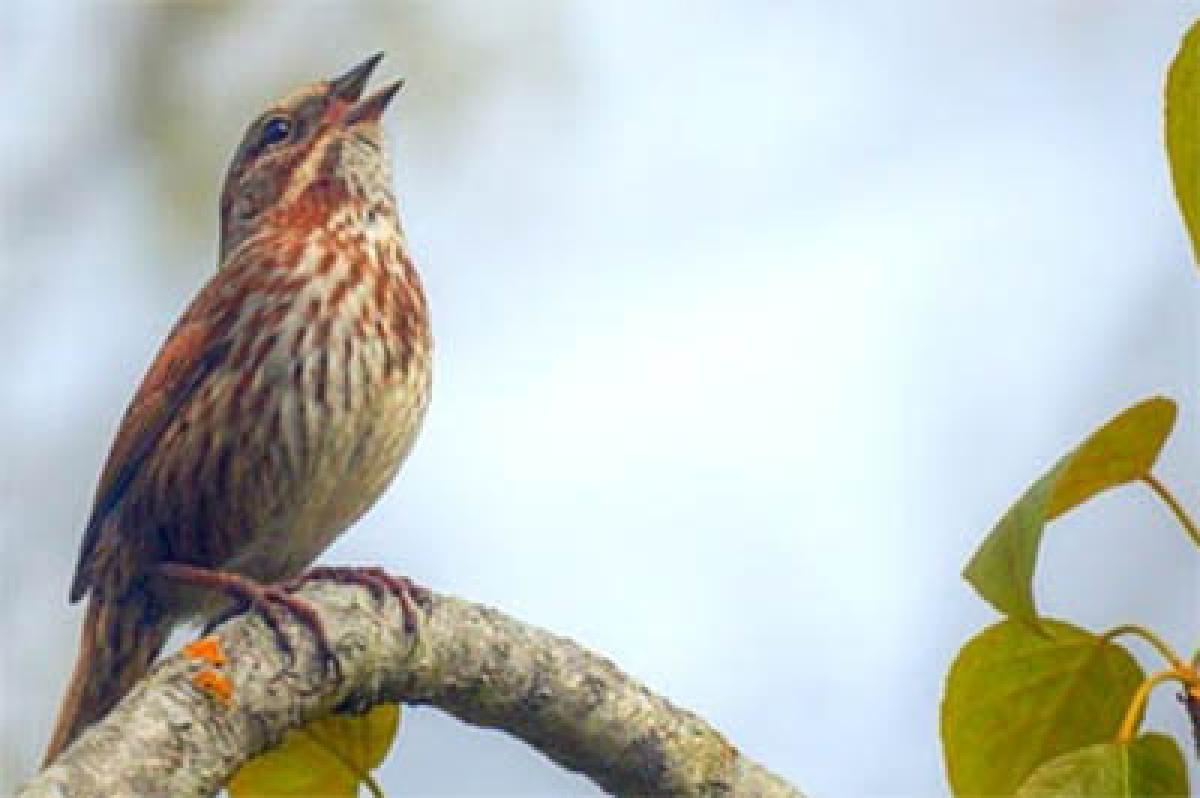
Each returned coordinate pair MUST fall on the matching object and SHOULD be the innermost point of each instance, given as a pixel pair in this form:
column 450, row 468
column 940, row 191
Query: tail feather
column 118, row 643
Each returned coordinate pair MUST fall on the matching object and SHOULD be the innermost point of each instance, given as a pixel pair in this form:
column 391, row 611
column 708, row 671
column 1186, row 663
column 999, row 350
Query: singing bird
column 280, row 406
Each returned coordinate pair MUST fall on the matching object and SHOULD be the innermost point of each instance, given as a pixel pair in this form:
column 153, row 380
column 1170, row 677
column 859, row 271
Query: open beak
column 347, row 89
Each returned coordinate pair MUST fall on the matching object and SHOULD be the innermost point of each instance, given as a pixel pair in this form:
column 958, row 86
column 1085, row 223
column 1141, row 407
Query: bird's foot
column 272, row 602
column 412, row 597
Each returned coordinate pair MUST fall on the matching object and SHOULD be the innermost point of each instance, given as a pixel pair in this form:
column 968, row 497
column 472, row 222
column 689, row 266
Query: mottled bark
column 170, row 738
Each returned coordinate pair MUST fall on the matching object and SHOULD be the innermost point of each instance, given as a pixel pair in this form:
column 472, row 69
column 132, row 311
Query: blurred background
column 751, row 319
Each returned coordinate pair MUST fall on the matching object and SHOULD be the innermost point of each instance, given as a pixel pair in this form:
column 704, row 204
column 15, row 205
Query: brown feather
column 189, row 355
column 278, row 408
column 117, row 644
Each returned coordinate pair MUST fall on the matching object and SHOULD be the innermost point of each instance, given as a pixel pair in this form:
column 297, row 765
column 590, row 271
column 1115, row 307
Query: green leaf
column 1183, row 131
column 328, row 757
column 1150, row 765
column 1016, row 698
column 1121, row 451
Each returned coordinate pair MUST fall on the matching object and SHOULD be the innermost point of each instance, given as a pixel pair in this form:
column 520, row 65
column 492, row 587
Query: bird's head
column 307, row 154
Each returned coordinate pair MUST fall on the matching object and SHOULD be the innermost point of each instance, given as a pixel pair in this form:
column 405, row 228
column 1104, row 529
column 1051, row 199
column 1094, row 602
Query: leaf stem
column 373, row 786
column 1150, row 637
column 1187, row 523
column 1134, row 713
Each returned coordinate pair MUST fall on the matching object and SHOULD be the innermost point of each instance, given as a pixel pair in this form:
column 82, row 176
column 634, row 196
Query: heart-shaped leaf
column 1151, row 765
column 1183, row 131
column 1121, row 451
column 1016, row 698
column 328, row 757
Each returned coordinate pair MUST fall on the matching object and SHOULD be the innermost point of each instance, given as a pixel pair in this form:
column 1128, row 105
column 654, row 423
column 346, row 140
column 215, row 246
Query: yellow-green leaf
column 1183, row 131
column 1016, row 698
column 1150, row 765
column 328, row 757
column 1121, row 451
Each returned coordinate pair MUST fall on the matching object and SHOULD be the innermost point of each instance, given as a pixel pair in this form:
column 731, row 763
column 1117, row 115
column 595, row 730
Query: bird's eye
column 276, row 130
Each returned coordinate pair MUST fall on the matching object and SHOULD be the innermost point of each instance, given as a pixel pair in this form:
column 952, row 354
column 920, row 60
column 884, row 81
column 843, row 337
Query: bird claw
column 412, row 597
column 272, row 603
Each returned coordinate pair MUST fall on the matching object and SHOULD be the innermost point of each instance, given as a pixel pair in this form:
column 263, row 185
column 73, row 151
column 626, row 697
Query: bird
column 278, row 409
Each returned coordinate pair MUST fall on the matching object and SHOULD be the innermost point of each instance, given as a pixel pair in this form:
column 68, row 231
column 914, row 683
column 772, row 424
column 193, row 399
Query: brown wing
column 191, row 353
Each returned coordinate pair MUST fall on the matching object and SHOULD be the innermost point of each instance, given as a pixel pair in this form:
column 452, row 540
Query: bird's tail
column 117, row 645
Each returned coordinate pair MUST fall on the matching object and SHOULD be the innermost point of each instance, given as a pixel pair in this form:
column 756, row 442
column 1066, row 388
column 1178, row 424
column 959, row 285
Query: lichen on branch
column 170, row 737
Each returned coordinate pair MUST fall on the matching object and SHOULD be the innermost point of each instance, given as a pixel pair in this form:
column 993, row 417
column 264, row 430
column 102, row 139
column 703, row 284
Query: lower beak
column 370, row 109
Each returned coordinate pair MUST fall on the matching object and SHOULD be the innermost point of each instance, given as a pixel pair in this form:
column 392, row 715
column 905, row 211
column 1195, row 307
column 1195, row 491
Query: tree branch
column 169, row 738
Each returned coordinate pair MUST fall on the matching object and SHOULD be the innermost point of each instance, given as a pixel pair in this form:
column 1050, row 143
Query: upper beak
column 348, row 88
